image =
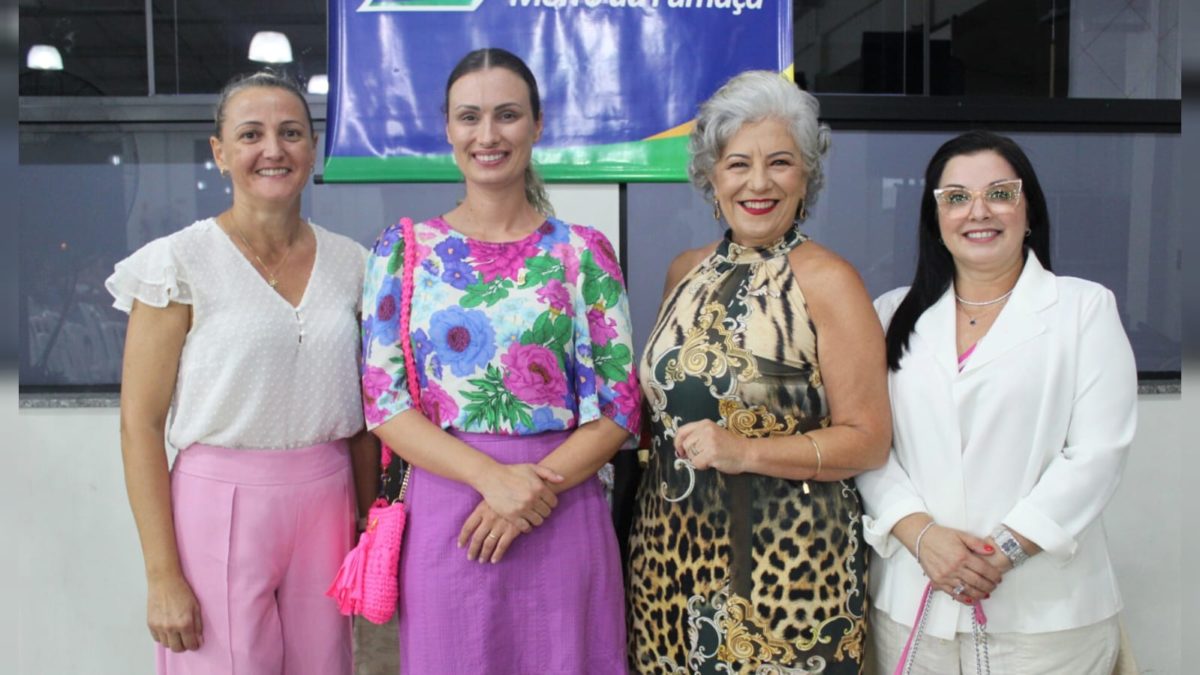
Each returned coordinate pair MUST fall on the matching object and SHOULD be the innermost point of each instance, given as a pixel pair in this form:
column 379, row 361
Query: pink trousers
column 261, row 534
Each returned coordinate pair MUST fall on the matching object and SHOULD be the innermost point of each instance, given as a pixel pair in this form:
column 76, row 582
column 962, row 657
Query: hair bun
column 824, row 139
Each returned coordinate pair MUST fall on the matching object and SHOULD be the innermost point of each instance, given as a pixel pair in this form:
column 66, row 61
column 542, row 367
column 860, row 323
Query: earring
column 716, row 210
column 802, row 212
column 224, row 172
column 1028, row 232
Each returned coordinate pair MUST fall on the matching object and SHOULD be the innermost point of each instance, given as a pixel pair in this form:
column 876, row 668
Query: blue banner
column 620, row 79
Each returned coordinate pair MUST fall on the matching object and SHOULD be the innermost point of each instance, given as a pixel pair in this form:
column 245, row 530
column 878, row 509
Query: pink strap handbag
column 979, row 634
column 368, row 582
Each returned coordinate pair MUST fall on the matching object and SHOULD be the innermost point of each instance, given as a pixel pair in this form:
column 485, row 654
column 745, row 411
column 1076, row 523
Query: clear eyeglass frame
column 1002, row 195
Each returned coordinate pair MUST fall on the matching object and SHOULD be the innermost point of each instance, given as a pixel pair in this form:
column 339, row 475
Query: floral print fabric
column 514, row 337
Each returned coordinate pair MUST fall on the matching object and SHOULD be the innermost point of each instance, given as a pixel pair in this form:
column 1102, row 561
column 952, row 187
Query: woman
column 747, row 552
column 520, row 331
column 234, row 322
column 1013, row 393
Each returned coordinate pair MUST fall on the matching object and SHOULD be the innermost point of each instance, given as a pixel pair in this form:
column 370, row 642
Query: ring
column 491, row 535
column 958, row 590
column 692, row 450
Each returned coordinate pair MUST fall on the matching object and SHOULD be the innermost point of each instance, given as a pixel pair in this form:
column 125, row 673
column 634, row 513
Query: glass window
column 199, row 46
column 128, row 186
column 100, row 46
column 1126, row 49
column 1115, row 211
column 1037, row 48
column 861, row 47
column 1040, row 48
column 1114, row 201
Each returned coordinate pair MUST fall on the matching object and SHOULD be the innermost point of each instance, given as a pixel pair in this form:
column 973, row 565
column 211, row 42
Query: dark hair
column 495, row 57
column 935, row 266
column 263, row 78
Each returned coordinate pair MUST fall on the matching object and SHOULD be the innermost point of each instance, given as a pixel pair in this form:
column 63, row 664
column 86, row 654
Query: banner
column 621, row 80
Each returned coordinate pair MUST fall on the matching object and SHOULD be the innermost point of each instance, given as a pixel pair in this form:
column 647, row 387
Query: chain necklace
column 984, row 303
column 973, row 320
column 272, row 275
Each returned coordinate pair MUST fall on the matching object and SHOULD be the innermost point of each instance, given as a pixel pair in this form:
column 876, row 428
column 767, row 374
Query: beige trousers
column 1080, row 651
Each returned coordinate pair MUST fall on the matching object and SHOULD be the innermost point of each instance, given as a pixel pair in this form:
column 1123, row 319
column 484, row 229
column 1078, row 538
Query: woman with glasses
column 1013, row 401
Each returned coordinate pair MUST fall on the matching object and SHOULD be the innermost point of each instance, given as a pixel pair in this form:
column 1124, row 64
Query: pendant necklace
column 973, row 320
column 987, row 304
column 272, row 275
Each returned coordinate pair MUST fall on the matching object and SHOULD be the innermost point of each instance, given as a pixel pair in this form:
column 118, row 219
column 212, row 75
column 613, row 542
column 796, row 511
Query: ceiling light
column 268, row 46
column 318, row 84
column 44, row 57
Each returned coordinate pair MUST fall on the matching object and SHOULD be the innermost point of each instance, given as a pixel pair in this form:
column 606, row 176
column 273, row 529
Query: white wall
column 80, row 593
column 1146, row 526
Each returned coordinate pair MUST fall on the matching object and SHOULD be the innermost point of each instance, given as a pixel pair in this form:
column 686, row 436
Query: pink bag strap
column 918, row 627
column 406, row 292
column 405, row 338
column 979, row 635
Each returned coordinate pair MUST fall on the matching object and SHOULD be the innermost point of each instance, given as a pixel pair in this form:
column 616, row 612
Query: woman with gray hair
column 747, row 551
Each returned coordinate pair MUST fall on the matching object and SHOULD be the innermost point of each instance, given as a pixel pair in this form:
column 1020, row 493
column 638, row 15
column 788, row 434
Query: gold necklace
column 272, row 275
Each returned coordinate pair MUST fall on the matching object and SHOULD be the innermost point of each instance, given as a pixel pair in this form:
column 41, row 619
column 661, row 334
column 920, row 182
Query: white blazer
column 1033, row 433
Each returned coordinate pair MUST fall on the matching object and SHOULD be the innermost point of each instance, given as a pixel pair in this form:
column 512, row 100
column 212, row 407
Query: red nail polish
column 989, row 549
column 987, row 596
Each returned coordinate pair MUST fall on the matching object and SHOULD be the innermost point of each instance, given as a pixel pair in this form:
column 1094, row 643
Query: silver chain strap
column 982, row 665
column 978, row 634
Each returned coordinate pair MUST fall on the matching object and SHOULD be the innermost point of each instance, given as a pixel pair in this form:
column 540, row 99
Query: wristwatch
column 1009, row 546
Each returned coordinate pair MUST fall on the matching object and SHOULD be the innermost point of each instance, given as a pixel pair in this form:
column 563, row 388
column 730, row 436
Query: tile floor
column 375, row 648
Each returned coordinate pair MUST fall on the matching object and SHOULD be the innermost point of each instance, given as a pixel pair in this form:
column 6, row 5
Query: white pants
column 1080, row 651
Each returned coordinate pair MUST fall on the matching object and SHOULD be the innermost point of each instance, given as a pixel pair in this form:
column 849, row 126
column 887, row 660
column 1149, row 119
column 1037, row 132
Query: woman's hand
column 519, row 494
column 997, row 559
column 488, row 534
column 956, row 561
column 711, row 446
column 173, row 614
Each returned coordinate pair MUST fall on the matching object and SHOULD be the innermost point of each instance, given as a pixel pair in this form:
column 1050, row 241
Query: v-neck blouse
column 255, row 371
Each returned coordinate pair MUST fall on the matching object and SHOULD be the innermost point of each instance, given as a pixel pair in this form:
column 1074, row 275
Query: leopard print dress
column 745, row 573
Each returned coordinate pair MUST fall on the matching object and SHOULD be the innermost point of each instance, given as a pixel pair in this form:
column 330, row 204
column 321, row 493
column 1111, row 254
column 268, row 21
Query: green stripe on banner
column 658, row 161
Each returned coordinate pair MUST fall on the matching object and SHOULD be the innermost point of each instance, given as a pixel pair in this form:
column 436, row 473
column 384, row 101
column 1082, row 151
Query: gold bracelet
column 816, row 449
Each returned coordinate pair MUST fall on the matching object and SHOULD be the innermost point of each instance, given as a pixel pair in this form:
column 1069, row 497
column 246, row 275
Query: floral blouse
column 514, row 337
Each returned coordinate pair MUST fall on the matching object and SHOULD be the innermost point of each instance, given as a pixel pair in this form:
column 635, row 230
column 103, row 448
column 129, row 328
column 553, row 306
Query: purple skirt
column 554, row 604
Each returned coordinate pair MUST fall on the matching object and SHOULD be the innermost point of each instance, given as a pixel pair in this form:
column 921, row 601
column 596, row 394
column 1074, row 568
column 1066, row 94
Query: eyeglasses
column 1000, row 197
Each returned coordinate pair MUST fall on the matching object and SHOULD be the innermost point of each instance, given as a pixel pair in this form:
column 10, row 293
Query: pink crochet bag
column 368, row 583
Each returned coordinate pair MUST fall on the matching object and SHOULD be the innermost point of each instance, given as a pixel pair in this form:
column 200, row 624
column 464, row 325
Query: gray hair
column 263, row 78
column 753, row 96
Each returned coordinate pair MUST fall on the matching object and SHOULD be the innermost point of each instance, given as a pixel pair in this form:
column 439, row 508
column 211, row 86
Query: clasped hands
column 516, row 499
column 965, row 567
